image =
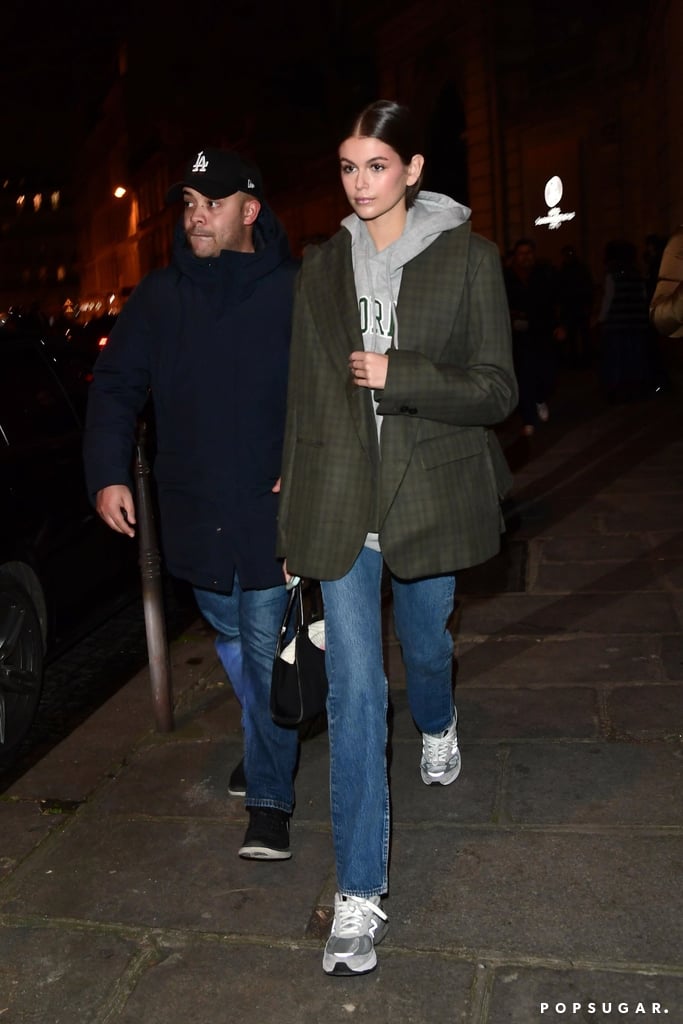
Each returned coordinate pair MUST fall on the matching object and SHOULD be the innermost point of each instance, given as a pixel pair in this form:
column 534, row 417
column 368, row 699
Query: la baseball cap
column 218, row 173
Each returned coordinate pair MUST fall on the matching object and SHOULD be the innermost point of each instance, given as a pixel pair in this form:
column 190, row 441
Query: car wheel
column 21, row 666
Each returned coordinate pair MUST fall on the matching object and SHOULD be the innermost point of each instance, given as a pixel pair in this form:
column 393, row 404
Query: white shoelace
column 351, row 913
column 439, row 749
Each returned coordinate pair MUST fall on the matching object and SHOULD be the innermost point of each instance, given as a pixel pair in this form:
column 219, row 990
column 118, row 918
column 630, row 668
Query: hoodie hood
column 378, row 274
column 431, row 215
column 231, row 276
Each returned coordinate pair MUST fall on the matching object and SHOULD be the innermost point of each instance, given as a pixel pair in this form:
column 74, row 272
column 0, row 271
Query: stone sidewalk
column 544, row 885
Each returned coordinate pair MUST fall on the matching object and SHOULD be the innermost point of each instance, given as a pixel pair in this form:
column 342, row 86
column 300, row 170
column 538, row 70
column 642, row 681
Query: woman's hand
column 369, row 369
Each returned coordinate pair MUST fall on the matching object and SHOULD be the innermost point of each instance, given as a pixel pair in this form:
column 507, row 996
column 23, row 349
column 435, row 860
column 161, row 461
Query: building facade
column 38, row 248
column 564, row 127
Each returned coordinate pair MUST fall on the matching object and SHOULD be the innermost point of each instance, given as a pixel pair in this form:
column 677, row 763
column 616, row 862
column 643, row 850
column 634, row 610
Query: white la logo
column 201, row 163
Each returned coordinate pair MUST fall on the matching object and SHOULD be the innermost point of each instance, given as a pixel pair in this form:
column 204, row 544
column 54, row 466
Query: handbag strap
column 315, row 602
column 295, row 595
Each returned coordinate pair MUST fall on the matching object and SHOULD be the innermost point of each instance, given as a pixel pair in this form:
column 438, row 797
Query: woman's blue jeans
column 357, row 704
column 248, row 623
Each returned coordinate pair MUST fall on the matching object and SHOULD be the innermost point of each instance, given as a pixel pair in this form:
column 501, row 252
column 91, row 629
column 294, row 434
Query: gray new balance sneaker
column 358, row 926
column 440, row 756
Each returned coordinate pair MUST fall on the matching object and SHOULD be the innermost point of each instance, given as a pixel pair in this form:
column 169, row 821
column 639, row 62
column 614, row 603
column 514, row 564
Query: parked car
column 90, row 338
column 62, row 571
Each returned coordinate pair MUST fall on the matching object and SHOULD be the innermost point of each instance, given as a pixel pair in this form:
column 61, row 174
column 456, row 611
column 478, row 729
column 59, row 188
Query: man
column 209, row 336
column 532, row 297
column 575, row 295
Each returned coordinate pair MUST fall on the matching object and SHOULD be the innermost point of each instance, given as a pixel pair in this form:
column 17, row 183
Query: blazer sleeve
column 478, row 387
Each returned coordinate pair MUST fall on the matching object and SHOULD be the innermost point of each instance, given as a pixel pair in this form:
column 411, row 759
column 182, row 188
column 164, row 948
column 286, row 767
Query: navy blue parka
column 210, row 339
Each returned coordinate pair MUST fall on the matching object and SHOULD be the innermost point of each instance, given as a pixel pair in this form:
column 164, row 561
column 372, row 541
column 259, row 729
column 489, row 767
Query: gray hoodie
column 377, row 275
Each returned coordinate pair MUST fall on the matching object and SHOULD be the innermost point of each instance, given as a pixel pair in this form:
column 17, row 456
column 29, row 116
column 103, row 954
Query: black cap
column 218, row 173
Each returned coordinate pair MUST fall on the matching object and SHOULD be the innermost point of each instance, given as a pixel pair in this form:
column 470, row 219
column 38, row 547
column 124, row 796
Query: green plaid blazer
column 433, row 490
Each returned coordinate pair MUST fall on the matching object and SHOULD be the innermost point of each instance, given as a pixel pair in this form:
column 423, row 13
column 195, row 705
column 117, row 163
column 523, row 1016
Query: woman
column 400, row 358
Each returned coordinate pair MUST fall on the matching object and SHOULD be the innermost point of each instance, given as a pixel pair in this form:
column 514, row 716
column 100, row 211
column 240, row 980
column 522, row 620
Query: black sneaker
column 237, row 786
column 267, row 837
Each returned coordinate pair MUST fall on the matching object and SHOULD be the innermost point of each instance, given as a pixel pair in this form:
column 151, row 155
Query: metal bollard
column 152, row 593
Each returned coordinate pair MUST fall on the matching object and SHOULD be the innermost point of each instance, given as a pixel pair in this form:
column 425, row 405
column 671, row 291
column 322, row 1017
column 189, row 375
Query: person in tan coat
column 666, row 308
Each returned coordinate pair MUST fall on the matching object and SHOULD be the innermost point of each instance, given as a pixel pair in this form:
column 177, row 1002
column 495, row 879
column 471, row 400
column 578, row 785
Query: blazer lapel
column 333, row 301
column 431, row 292
column 335, row 310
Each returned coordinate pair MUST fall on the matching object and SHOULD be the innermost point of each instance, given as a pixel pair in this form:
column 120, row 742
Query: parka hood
column 236, row 272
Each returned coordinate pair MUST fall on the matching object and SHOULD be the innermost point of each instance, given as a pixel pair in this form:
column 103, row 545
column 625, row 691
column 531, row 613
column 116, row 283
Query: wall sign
column 553, row 194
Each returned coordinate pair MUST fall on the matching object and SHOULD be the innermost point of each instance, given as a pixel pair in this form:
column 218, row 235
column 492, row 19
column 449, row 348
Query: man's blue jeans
column 357, row 704
column 248, row 623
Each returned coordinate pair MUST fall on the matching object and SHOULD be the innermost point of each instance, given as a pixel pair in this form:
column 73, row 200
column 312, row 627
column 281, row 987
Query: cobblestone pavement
column 543, row 885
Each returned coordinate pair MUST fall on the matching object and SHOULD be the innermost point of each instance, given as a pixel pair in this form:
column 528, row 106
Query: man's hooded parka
column 209, row 338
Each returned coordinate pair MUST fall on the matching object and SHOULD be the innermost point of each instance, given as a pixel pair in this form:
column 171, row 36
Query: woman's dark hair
column 393, row 124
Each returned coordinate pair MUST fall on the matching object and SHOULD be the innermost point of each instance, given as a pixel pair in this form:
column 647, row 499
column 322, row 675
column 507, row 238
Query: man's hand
column 115, row 506
column 369, row 369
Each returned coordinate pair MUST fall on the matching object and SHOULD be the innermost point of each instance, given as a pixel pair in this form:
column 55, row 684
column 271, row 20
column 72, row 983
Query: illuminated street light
column 120, row 191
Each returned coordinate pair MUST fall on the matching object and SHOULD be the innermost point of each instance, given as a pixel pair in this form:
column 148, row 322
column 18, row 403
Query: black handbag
column 298, row 688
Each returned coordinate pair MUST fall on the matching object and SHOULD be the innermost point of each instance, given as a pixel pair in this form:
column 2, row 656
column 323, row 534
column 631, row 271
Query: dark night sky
column 56, row 59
